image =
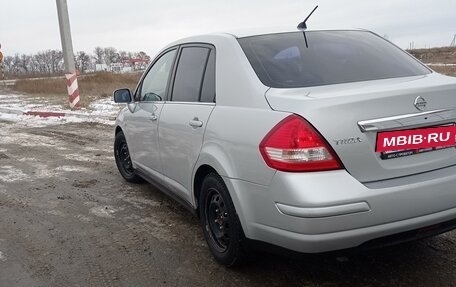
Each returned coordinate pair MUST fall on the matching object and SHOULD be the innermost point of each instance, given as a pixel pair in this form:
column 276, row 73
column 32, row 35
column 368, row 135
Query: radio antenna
column 302, row 25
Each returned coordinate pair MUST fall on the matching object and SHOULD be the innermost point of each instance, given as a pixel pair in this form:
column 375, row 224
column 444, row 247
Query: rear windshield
column 331, row 57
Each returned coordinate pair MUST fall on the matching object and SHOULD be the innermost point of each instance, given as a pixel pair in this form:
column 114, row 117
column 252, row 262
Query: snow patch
column 9, row 173
column 12, row 107
column 2, row 257
column 68, row 168
column 81, row 157
column 103, row 211
column 105, row 107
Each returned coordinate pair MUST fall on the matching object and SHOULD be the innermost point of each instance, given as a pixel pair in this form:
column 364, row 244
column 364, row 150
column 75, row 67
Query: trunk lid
column 349, row 116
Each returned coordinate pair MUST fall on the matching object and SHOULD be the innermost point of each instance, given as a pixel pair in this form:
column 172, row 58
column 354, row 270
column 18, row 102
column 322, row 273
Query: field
column 91, row 87
column 444, row 55
column 441, row 60
column 446, row 70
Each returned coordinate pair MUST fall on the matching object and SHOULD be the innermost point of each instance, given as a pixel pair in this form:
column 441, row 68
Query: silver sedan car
column 313, row 140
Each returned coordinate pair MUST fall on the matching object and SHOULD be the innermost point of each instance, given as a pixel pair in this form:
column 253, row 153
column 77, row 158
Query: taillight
column 294, row 145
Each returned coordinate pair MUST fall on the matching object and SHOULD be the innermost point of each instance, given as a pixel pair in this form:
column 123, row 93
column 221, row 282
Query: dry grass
column 445, row 55
column 447, row 70
column 91, row 87
column 41, row 86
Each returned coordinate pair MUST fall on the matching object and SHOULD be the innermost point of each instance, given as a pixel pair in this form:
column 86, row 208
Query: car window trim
column 191, row 103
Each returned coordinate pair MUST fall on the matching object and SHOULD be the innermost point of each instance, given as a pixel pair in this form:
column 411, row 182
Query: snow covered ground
column 13, row 107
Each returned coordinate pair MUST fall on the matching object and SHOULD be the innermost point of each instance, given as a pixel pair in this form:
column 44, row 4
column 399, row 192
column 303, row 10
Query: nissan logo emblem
column 420, row 103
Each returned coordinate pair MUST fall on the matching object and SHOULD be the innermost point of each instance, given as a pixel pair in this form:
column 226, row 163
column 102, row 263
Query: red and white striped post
column 73, row 91
column 68, row 55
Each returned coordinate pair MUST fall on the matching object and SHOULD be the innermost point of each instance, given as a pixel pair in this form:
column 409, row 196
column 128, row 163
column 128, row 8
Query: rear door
column 184, row 118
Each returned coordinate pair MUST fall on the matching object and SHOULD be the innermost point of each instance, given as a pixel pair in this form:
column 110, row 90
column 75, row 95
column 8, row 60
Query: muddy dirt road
column 68, row 219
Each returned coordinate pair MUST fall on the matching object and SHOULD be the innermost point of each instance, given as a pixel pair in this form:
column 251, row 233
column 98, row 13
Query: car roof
column 243, row 33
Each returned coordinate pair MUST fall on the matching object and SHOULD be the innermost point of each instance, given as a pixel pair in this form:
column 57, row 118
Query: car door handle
column 195, row 123
column 153, row 118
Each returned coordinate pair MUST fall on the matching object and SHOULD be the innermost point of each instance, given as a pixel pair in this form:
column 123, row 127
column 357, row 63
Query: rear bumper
column 315, row 243
column 319, row 212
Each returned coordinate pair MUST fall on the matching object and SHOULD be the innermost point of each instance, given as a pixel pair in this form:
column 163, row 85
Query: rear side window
column 208, row 91
column 189, row 74
column 330, row 57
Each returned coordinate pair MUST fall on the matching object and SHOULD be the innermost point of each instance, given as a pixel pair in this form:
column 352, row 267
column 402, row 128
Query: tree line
column 50, row 62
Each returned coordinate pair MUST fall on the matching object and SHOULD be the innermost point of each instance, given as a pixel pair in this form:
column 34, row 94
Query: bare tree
column 24, row 61
column 8, row 63
column 40, row 61
column 123, row 55
column 51, row 61
column 143, row 56
column 98, row 55
column 82, row 61
column 56, row 58
column 110, row 55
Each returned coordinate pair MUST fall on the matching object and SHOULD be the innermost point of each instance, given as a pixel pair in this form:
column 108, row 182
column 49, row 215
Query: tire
column 123, row 160
column 220, row 222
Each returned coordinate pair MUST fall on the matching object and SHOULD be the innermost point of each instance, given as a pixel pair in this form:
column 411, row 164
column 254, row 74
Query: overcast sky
column 29, row 26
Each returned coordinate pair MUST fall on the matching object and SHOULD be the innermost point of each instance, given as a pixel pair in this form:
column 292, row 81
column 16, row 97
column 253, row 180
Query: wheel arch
column 213, row 159
column 200, row 174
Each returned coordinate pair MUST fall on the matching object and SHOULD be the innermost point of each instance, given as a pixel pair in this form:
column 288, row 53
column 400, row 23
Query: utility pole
column 453, row 43
column 68, row 54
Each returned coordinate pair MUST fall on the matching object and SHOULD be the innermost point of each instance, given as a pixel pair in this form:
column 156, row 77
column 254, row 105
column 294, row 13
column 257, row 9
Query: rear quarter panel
column 231, row 143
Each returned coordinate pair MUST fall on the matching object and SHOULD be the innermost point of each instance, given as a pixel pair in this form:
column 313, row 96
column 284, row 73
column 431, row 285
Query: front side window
column 330, row 57
column 189, row 74
column 156, row 81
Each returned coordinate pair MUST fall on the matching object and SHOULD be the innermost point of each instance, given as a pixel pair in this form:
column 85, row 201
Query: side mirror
column 122, row 96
